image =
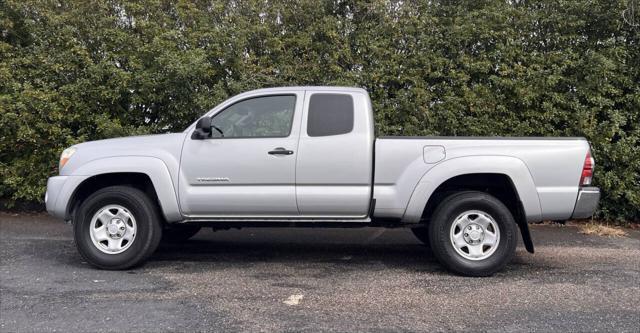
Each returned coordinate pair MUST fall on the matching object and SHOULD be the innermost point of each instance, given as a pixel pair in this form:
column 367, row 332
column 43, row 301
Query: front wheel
column 117, row 227
column 473, row 234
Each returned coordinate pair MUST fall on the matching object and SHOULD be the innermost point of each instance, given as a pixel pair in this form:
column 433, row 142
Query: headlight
column 65, row 156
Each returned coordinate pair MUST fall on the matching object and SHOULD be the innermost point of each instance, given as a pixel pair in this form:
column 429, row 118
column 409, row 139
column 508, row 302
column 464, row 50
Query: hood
column 163, row 146
column 129, row 142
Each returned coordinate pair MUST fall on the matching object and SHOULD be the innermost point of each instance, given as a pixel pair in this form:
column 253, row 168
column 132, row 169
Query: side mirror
column 203, row 128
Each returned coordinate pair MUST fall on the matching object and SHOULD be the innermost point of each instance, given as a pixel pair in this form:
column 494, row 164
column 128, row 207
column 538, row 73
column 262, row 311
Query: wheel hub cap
column 116, row 228
column 112, row 229
column 475, row 235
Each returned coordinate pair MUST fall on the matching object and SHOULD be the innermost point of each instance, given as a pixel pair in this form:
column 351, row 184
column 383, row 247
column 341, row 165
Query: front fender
column 153, row 167
column 512, row 167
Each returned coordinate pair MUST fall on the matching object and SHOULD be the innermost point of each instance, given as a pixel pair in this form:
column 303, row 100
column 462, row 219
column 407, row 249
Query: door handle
column 281, row 151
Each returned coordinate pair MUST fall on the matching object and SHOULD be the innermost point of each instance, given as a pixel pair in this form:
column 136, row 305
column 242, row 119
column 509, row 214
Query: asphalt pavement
column 308, row 280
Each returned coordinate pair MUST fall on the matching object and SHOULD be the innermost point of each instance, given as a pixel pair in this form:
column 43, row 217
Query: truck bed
column 546, row 171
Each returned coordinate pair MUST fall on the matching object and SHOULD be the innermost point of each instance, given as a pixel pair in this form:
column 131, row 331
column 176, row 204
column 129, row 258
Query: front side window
column 268, row 116
column 330, row 114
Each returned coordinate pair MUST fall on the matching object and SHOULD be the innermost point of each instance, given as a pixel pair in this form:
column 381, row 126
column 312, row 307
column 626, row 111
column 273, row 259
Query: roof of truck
column 294, row 88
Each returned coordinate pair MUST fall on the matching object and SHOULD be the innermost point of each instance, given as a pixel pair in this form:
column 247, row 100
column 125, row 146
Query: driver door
column 247, row 167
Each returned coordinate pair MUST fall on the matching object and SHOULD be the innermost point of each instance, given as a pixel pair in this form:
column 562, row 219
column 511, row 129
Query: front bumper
column 59, row 192
column 588, row 198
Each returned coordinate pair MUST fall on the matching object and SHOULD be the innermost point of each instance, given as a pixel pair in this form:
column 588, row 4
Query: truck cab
column 285, row 153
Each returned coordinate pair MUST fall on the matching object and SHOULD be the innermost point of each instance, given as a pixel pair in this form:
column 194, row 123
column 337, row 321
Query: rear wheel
column 117, row 227
column 473, row 234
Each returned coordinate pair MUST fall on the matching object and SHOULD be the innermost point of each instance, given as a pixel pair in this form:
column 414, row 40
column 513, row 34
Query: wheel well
column 137, row 180
column 498, row 185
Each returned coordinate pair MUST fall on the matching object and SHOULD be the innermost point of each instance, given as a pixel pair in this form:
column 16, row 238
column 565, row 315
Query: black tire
column 446, row 214
column 148, row 227
column 422, row 234
column 179, row 232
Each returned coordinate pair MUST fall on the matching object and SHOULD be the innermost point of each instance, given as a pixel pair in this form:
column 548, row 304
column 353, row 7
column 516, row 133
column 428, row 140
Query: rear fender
column 512, row 167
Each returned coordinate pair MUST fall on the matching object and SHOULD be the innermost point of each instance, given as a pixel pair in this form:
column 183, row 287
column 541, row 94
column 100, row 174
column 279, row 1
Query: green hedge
column 73, row 71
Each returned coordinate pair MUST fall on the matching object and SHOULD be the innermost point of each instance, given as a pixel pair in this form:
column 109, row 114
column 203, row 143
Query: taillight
column 587, row 170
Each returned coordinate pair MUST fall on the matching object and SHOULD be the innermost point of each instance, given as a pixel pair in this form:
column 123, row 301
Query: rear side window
column 330, row 114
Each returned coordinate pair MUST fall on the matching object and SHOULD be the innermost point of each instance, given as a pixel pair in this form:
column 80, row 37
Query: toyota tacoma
column 308, row 157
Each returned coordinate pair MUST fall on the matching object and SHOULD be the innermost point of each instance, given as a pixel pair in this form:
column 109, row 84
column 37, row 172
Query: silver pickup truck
column 308, row 156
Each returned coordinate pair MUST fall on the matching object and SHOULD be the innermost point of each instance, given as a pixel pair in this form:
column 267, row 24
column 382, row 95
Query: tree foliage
column 72, row 71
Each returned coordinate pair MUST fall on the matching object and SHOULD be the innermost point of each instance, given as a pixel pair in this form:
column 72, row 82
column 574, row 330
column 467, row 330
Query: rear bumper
column 588, row 198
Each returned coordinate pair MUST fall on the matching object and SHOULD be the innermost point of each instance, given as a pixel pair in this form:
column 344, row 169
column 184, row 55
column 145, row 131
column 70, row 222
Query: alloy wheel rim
column 475, row 235
column 112, row 229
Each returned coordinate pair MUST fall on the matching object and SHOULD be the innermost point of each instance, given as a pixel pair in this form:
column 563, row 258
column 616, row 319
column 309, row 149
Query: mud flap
column 526, row 235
